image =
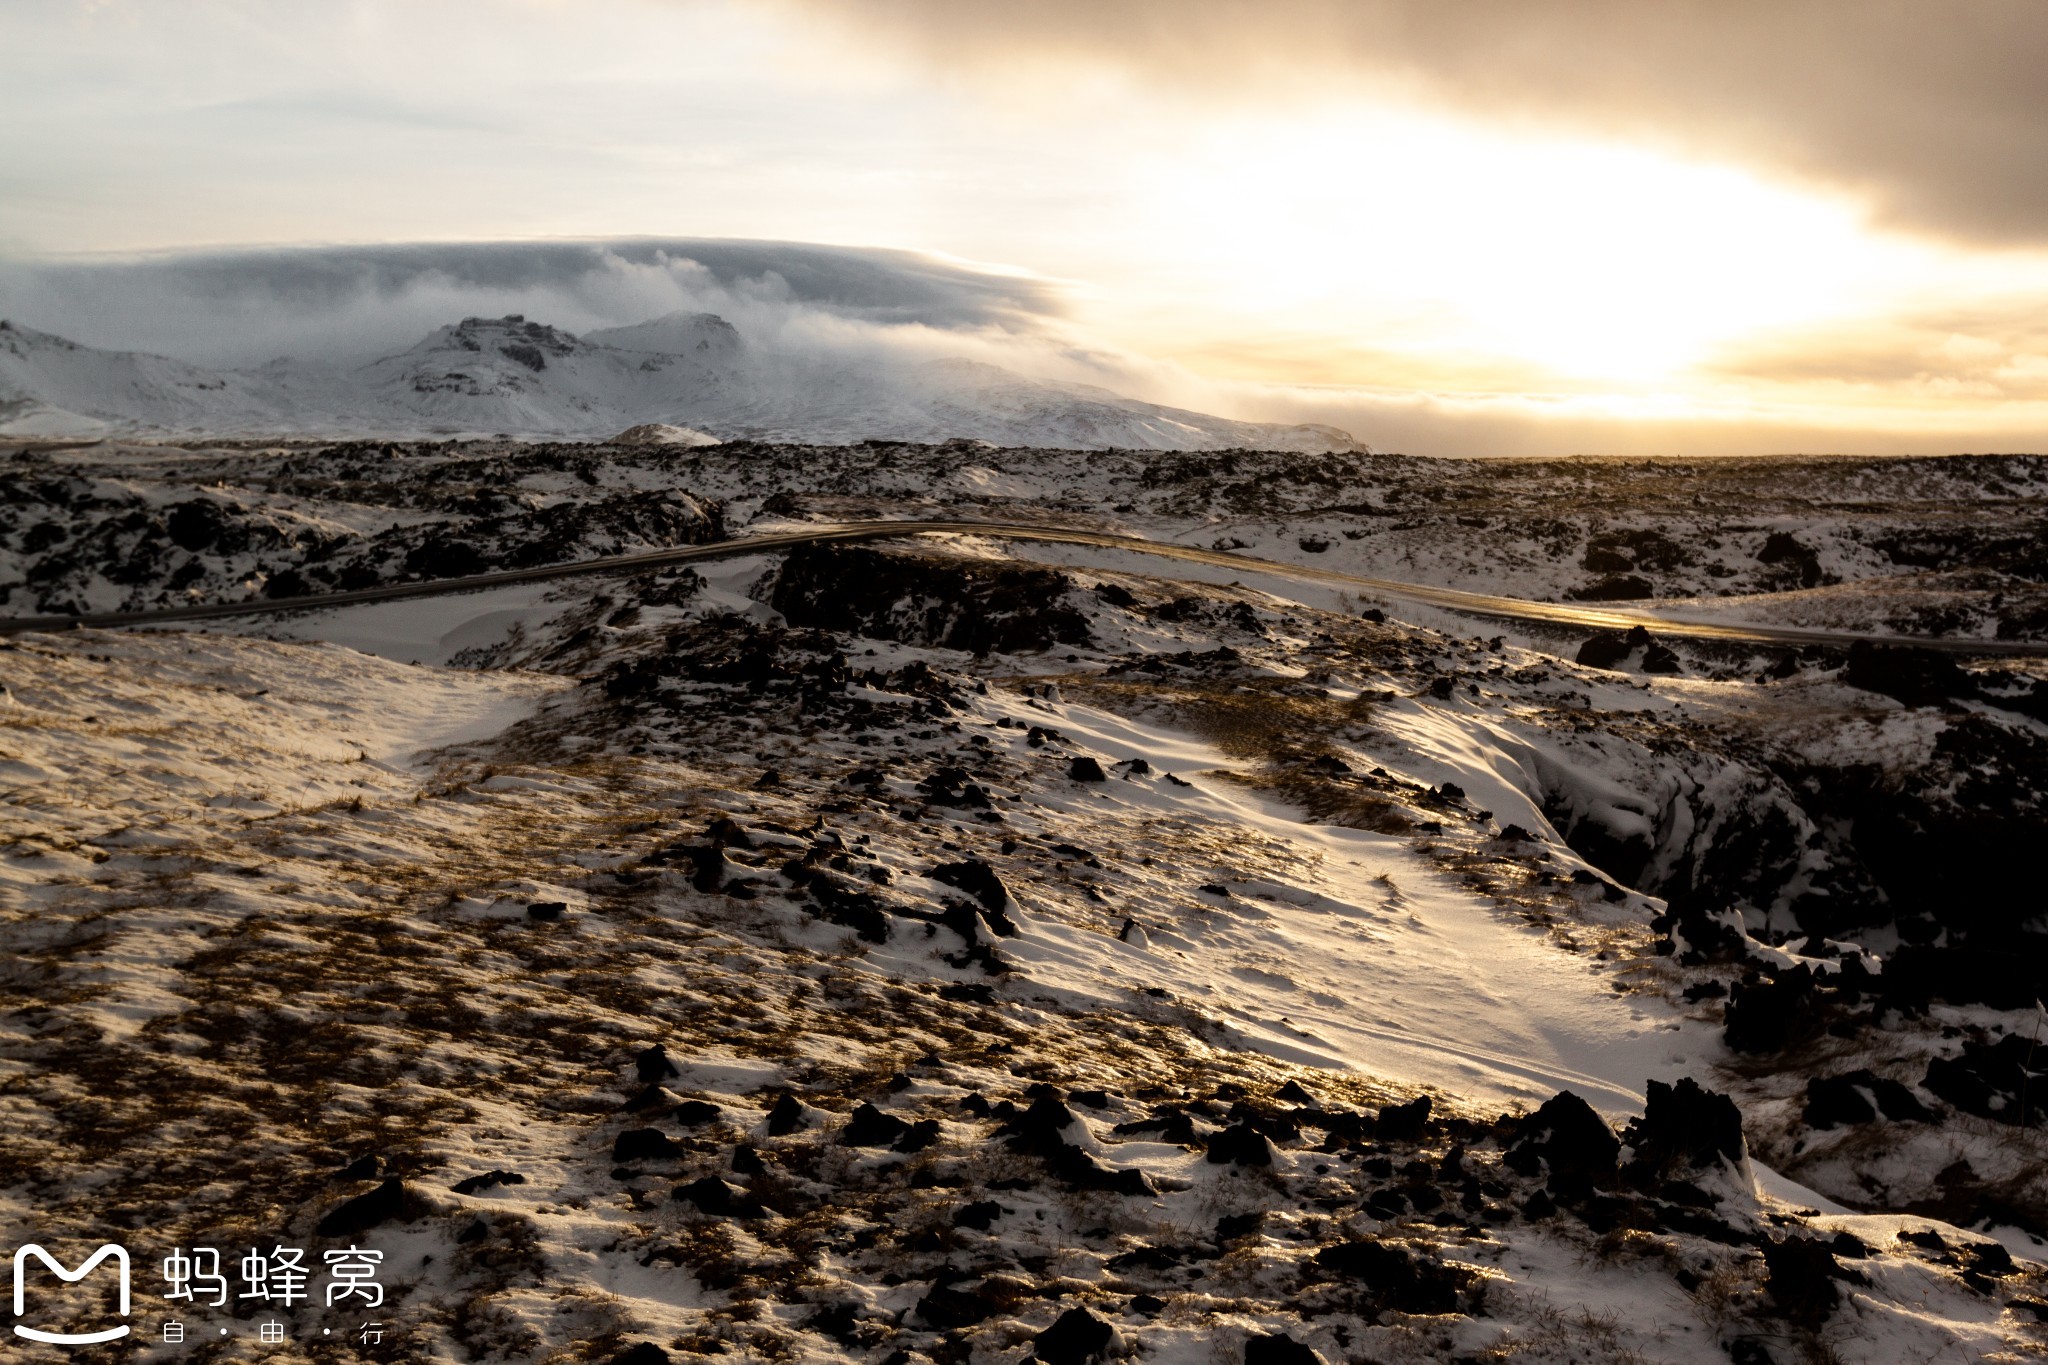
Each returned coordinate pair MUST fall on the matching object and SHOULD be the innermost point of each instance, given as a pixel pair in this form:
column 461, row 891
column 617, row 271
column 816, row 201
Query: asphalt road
column 1468, row 603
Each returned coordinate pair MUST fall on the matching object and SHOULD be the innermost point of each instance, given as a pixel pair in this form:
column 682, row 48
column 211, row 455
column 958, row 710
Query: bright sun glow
column 1590, row 262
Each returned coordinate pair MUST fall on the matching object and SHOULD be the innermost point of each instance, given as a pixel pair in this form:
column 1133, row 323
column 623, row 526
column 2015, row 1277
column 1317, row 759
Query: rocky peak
column 512, row 336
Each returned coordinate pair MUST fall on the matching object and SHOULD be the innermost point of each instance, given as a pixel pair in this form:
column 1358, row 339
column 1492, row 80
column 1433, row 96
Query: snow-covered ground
column 1042, row 953
column 690, row 371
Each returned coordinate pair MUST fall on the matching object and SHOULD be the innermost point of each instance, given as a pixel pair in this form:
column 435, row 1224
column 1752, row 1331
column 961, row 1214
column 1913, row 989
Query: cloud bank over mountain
column 808, row 311
column 351, row 304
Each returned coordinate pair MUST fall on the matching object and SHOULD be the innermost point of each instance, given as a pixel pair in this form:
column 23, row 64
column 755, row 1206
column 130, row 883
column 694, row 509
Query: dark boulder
column 195, row 525
column 1086, row 769
column 972, row 605
column 1801, row 1275
column 980, row 881
column 1767, row 1016
column 1782, row 549
column 391, row 1202
column 440, row 556
column 2011, row 976
column 1278, row 1348
column 844, row 902
column 366, row 1167
column 917, row 1136
column 653, row 1066
column 644, row 1144
column 948, row 1308
column 785, row 1116
column 1684, row 1128
column 1858, row 1097
column 1567, row 1140
column 719, row 1199
column 1621, row 587
column 1041, row 1128
column 2006, row 1081
column 1234, row 1225
column 641, row 1353
column 1917, row 677
column 1293, row 1092
column 870, row 1127
column 1075, row 1337
column 980, row 1215
column 954, row 786
column 1610, row 647
column 692, row 1113
column 1403, row 1122
column 1241, row 1144
column 1397, row 1278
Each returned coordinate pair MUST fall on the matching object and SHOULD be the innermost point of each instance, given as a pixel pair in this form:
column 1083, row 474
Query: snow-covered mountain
column 514, row 376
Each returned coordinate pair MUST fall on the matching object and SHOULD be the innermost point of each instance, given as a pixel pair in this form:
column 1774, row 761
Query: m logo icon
column 21, row 1257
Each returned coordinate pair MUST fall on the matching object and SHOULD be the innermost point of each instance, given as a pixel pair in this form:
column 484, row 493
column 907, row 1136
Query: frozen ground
column 956, row 953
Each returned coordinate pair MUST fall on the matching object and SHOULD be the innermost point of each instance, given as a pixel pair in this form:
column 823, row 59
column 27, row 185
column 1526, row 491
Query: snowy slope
column 50, row 386
column 519, row 377
column 918, row 948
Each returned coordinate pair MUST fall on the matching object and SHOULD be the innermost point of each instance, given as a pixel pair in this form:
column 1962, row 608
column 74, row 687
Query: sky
column 1489, row 227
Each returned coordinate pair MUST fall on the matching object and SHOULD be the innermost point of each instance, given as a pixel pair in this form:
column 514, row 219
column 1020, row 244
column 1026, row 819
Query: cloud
column 1933, row 114
column 807, row 308
column 235, row 308
column 1992, row 354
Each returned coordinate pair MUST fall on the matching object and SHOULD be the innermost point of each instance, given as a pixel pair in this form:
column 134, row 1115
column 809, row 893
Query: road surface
column 1469, row 603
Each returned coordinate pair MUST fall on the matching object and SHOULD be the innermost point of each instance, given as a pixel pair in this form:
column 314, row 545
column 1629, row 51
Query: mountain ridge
column 519, row 377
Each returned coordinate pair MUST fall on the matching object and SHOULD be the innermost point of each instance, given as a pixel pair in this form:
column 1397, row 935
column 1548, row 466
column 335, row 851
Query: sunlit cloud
column 1441, row 226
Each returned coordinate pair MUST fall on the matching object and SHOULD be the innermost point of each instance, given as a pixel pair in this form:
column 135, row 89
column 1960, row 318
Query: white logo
column 120, row 1256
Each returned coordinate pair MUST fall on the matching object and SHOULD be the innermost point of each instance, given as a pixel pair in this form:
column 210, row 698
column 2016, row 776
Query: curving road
column 1469, row 603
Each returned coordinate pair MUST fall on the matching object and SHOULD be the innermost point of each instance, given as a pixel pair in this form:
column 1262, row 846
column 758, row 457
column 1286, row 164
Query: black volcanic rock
column 978, row 880
column 644, row 1144
column 1403, row 1122
column 391, row 1202
column 1858, row 1097
column 1621, row 587
column 972, row 605
column 1801, row 1276
column 1764, row 1017
column 1075, row 1337
column 2006, row 1081
column 1241, row 1144
column 785, row 1116
column 1277, row 1348
column 980, row 1215
column 1917, row 677
column 719, row 1199
column 642, row 1353
column 1398, row 1279
column 1567, row 1140
column 870, row 1127
column 1684, row 1128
